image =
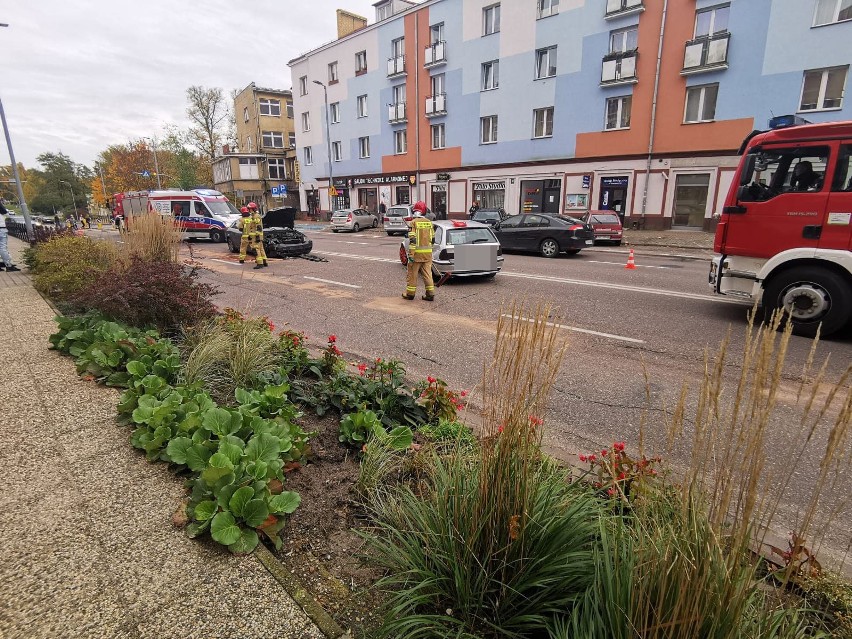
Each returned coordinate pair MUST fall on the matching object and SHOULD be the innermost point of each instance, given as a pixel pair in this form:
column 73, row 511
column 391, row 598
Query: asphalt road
column 660, row 317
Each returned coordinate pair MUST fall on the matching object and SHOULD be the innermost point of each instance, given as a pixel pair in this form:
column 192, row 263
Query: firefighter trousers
column 259, row 251
column 244, row 244
column 424, row 270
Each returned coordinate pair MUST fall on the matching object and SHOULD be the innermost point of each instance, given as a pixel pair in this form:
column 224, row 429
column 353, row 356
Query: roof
column 257, row 89
column 807, row 131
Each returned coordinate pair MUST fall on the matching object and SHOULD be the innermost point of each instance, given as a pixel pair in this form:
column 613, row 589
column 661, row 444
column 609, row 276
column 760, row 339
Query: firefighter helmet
column 419, row 207
column 244, row 210
column 252, row 206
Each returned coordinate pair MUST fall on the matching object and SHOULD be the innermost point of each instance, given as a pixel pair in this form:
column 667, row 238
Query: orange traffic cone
column 631, row 264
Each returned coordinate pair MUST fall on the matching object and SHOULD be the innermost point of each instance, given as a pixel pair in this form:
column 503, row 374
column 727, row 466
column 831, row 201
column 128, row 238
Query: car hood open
column 284, row 217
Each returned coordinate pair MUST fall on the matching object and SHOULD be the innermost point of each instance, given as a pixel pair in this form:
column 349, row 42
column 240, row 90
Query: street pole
column 103, row 184
column 156, row 166
column 24, row 210
column 328, row 146
column 73, row 199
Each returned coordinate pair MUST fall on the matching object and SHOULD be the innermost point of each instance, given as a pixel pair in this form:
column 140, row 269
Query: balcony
column 435, row 54
column 396, row 112
column 396, row 66
column 619, row 8
column 707, row 53
column 619, row 67
column 436, row 105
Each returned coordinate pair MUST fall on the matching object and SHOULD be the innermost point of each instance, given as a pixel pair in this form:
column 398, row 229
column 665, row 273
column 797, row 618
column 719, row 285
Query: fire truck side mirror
column 747, row 170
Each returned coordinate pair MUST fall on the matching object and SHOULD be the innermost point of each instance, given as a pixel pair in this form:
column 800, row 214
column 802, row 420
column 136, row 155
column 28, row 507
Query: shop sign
column 614, row 182
column 340, row 183
column 442, row 177
column 383, row 179
column 438, row 188
column 489, row 186
column 587, row 181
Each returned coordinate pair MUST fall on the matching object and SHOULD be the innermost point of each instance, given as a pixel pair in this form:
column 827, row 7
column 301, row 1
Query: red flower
column 610, row 492
column 536, row 421
column 500, row 428
column 332, row 339
column 583, row 458
column 621, row 476
column 463, row 393
column 362, row 368
column 295, row 340
column 603, row 453
column 431, row 379
column 619, row 446
column 592, row 458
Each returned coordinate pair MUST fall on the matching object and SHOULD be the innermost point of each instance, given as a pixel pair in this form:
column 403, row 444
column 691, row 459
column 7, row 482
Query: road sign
column 274, row 191
column 146, row 173
column 332, row 191
column 282, row 190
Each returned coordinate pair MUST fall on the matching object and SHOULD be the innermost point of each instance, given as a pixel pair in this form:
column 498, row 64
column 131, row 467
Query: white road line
column 351, row 242
column 358, row 257
column 621, row 264
column 621, row 338
column 214, row 259
column 319, row 279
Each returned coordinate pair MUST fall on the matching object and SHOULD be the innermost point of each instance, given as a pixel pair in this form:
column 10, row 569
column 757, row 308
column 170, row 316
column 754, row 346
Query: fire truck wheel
column 810, row 295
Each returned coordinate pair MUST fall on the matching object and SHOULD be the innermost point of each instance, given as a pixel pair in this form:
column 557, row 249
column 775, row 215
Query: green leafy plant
column 617, row 473
column 65, row 264
column 357, row 428
column 448, row 432
column 439, row 401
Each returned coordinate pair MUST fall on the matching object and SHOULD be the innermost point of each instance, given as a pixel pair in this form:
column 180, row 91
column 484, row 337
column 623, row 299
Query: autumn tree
column 187, row 169
column 209, row 114
column 8, row 190
column 60, row 184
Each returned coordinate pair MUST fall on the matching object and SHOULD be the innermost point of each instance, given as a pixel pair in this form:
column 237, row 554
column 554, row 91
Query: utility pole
column 73, row 199
column 328, row 147
column 156, row 165
column 24, row 210
column 103, row 184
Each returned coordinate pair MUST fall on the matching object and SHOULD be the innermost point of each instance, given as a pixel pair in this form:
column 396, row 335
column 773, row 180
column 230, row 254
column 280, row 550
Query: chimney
column 348, row 23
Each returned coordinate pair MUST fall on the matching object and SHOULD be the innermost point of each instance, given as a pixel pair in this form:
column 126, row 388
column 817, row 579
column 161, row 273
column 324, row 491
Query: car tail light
column 385, row 219
column 446, row 254
column 408, row 219
column 349, row 218
column 575, row 227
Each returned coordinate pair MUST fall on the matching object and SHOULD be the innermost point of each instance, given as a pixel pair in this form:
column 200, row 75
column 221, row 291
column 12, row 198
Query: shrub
column 438, row 399
column 163, row 295
column 66, row 264
column 448, row 432
column 150, row 237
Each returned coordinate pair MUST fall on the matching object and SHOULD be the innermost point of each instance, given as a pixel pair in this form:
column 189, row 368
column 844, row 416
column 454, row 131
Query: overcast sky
column 79, row 75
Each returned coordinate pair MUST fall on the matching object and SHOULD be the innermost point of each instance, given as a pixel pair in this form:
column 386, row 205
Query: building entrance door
column 367, row 199
column 690, row 201
column 439, row 201
column 613, row 194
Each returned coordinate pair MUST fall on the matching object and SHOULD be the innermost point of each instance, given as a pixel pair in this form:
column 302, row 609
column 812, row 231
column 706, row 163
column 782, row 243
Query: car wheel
column 810, row 296
column 375, row 223
column 572, row 251
column 549, row 247
column 490, row 276
column 403, row 255
column 232, row 247
column 355, row 227
column 217, row 236
column 334, row 230
column 617, row 243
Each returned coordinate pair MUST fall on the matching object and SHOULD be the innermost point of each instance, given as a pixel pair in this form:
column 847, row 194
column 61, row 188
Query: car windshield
column 486, row 215
column 604, row 219
column 570, row 220
column 341, row 213
column 222, row 208
column 397, row 212
column 469, row 236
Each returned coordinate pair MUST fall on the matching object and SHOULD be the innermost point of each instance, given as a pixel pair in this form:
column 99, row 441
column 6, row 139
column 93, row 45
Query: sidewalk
column 690, row 240
column 88, row 545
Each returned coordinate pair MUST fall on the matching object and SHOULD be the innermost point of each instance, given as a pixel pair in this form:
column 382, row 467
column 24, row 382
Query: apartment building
column 559, row 106
column 265, row 159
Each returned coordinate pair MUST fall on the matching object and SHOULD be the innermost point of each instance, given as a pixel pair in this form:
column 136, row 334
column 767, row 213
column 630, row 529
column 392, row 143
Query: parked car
column 396, row 219
column 353, row 220
column 280, row 238
column 452, row 233
column 489, row 216
column 606, row 225
column 548, row 235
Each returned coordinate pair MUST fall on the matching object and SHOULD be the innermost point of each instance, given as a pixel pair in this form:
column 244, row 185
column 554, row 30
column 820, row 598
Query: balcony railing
column 435, row 54
column 706, row 53
column 396, row 66
column 396, row 112
column 619, row 67
column 436, row 105
column 617, row 8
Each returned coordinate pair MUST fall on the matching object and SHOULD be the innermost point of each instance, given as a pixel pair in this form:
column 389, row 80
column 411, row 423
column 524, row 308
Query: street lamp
column 156, row 166
column 74, row 199
column 24, row 210
column 328, row 145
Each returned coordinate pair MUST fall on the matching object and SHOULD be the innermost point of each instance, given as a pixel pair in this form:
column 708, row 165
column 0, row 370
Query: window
column 701, row 103
column 823, row 89
column 438, row 84
column 249, row 144
column 491, row 19
column 828, row 11
column 361, row 104
column 336, row 151
column 618, row 113
column 438, row 136
column 398, row 47
column 399, row 94
column 276, row 168
column 360, row 62
column 245, row 114
column 490, row 75
column 436, row 33
column 289, row 109
column 780, row 171
column 400, row 142
column 273, row 139
column 616, row 6
column 291, row 138
column 270, row 107
column 363, row 147
column 545, row 63
column 488, row 129
column 309, row 156
column 624, row 40
column 843, row 174
column 334, row 110
column 543, row 123
column 712, row 21
column 547, row 8
column 248, row 169
column 306, row 121
column 303, row 85
column 383, row 12
column 332, row 72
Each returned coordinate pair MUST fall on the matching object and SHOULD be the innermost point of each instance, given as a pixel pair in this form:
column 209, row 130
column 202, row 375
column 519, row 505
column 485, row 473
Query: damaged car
column 280, row 238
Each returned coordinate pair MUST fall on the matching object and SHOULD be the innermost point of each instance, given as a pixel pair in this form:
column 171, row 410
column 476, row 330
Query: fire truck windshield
column 222, row 208
column 778, row 171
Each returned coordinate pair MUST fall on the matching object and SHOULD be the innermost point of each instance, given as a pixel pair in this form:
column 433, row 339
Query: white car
column 486, row 260
column 396, row 219
column 353, row 220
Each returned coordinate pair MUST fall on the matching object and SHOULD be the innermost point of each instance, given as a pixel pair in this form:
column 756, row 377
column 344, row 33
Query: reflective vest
column 421, row 236
column 257, row 223
column 246, row 225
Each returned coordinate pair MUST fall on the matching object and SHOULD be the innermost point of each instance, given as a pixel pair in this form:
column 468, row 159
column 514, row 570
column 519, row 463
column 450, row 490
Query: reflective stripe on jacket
column 421, row 236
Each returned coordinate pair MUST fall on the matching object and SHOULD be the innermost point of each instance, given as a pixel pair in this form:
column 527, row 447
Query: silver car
column 353, row 220
column 396, row 219
column 450, row 234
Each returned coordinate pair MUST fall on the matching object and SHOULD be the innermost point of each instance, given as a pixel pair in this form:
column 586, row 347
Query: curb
column 299, row 593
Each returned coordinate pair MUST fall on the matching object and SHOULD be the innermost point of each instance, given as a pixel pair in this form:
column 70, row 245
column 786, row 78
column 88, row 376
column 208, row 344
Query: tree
column 209, row 114
column 8, row 190
column 59, row 185
column 123, row 167
column 187, row 169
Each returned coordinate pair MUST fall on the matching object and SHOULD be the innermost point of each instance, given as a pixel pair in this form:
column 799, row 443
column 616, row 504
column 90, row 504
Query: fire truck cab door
column 837, row 229
column 784, row 206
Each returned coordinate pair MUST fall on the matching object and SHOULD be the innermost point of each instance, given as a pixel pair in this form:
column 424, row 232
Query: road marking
column 215, row 259
column 358, row 257
column 621, row 264
column 621, row 338
column 319, row 279
column 351, row 242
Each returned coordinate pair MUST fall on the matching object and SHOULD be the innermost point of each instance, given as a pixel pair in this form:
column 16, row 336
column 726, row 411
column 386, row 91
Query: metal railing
column 436, row 104
column 619, row 66
column 435, row 54
column 706, row 53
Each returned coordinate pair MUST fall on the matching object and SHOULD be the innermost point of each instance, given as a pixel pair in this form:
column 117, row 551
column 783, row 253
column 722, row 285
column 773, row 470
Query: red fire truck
column 785, row 234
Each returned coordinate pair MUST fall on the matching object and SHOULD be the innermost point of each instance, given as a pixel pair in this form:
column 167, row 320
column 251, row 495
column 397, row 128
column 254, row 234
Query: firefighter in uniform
column 421, row 236
column 245, row 225
column 257, row 236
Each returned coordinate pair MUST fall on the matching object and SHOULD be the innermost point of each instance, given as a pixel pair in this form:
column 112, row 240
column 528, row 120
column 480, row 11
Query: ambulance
column 200, row 213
